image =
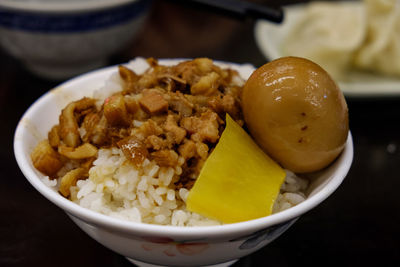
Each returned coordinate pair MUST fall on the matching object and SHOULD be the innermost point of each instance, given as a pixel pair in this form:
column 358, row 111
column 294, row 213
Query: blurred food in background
column 380, row 50
column 328, row 33
column 344, row 35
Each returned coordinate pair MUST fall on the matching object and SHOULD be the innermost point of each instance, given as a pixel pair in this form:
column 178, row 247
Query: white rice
column 117, row 188
column 292, row 192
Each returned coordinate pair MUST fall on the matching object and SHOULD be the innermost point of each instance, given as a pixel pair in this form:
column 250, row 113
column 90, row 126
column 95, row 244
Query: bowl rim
column 344, row 162
column 62, row 6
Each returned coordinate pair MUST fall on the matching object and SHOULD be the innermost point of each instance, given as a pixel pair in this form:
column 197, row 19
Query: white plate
column 269, row 37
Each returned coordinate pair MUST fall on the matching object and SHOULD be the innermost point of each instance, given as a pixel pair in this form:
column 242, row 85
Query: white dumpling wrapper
column 328, row 34
column 381, row 50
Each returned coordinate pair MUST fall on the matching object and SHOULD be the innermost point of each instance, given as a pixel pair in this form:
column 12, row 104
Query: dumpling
column 381, row 50
column 328, row 34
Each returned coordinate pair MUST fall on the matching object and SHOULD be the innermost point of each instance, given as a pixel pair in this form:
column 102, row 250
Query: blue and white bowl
column 60, row 39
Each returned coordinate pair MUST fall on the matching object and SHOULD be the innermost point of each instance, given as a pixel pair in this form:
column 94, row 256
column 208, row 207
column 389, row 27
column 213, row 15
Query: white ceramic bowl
column 155, row 244
column 60, row 39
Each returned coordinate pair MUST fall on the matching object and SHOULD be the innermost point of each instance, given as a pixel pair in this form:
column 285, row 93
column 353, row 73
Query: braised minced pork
column 173, row 115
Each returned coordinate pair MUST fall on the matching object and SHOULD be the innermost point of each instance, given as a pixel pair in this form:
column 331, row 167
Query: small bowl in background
column 60, row 39
column 159, row 245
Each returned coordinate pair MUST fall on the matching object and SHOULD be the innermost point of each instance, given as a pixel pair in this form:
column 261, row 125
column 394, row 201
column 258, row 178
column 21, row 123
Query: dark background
column 357, row 226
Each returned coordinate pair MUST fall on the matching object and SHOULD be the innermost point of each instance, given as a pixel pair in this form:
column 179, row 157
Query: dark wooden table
column 358, row 225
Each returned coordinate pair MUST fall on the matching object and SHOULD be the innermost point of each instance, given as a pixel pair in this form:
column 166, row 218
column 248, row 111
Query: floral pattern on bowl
column 270, row 233
column 172, row 248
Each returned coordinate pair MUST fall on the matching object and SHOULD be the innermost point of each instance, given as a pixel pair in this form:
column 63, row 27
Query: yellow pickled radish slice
column 238, row 181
